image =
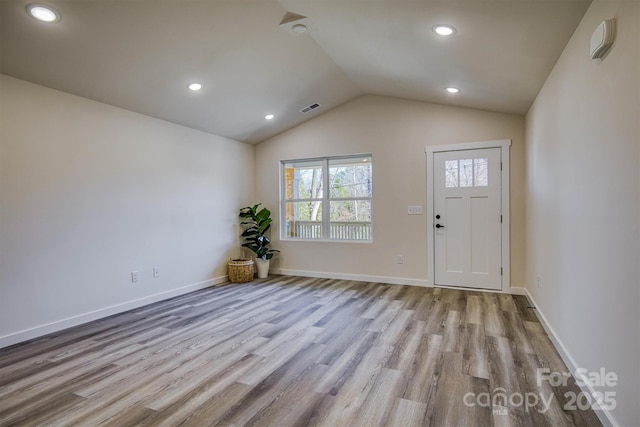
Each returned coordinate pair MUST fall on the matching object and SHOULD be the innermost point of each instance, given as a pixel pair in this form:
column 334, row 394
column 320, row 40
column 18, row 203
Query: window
column 310, row 212
column 467, row 173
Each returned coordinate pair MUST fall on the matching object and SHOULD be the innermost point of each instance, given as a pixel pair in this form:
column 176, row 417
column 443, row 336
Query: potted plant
column 257, row 223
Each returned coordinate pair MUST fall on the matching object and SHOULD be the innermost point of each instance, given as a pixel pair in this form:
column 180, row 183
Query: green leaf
column 252, row 247
column 263, row 214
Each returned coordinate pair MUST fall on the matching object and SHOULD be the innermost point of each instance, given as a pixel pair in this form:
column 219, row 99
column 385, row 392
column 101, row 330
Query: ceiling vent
column 311, row 107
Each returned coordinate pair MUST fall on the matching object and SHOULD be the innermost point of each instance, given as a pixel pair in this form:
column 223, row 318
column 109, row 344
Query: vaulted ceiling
column 141, row 54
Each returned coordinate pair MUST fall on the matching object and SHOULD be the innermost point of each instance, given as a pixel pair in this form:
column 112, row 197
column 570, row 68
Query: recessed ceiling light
column 194, row 86
column 452, row 90
column 269, row 116
column 43, row 12
column 444, row 30
column 299, row 28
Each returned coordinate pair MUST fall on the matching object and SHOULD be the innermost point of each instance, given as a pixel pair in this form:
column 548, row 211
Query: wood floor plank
column 474, row 310
column 57, row 374
column 344, row 366
column 407, row 413
column 543, row 347
column 493, row 319
column 210, row 411
column 421, row 376
column 436, row 317
column 475, row 354
column 338, row 339
column 288, row 377
column 507, row 303
column 504, row 376
column 288, row 409
column 447, row 407
column 291, row 351
column 516, row 332
column 453, row 333
column 405, row 349
column 376, row 410
column 39, row 415
column 456, row 299
column 526, row 310
column 211, row 397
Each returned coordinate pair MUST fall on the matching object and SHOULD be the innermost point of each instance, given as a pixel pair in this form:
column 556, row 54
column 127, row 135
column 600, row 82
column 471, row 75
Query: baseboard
column 605, row 416
column 517, row 290
column 355, row 277
column 80, row 319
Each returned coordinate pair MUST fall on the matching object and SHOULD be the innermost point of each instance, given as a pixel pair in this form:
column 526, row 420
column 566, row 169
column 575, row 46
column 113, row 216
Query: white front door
column 467, row 218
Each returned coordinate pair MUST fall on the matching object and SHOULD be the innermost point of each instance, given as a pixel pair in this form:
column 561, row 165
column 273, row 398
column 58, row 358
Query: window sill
column 288, row 239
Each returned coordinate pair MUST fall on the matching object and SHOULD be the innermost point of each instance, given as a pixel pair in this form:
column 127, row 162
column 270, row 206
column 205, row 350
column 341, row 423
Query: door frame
column 504, row 145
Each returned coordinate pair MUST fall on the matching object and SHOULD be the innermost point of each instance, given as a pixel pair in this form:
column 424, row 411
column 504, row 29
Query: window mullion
column 348, row 199
column 304, row 200
column 326, row 210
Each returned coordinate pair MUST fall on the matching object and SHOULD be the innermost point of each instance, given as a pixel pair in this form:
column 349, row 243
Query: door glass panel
column 451, row 173
column 466, row 173
column 481, row 172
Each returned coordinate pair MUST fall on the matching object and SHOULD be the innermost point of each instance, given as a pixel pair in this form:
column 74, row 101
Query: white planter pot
column 263, row 268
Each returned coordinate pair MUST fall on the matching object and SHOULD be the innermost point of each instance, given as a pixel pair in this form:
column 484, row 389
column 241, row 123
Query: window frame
column 325, row 200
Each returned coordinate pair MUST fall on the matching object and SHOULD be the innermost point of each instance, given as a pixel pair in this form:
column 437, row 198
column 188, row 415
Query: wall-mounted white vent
column 311, row 107
column 603, row 38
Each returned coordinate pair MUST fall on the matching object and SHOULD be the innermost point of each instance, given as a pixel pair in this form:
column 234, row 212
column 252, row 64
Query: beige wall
column 582, row 202
column 396, row 132
column 90, row 192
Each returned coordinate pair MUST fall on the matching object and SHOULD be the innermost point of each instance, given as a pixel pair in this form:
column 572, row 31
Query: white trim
column 58, row 325
column 354, row 277
column 504, row 145
column 499, row 143
column 510, row 291
column 326, row 199
column 291, row 239
column 518, row 290
column 605, row 416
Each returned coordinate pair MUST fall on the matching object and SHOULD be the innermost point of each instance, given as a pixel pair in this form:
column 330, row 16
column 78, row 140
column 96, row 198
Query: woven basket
column 241, row 270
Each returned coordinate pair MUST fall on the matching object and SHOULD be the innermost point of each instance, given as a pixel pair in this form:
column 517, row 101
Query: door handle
column 439, row 226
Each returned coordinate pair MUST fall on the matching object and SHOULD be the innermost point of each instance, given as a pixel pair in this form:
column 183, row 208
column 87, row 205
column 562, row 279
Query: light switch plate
column 414, row 210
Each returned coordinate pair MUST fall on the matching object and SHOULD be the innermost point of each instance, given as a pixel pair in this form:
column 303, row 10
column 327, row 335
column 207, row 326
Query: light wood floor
column 292, row 351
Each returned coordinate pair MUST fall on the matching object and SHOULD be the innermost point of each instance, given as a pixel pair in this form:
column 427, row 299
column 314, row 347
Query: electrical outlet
column 399, row 259
column 156, row 271
column 134, row 277
column 538, row 281
column 414, row 210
